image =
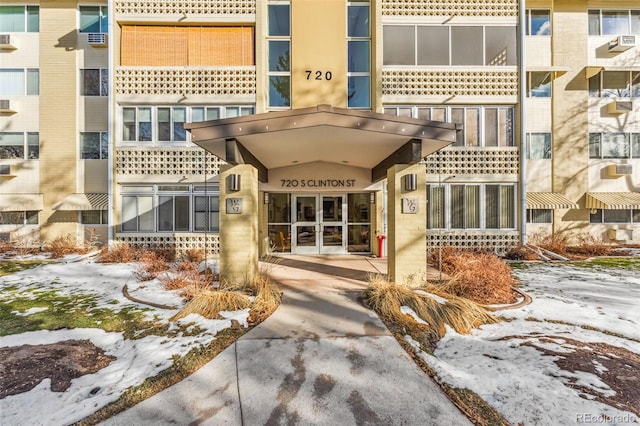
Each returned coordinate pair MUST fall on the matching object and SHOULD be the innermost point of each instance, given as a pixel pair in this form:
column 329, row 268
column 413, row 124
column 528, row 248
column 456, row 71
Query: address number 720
column 318, row 75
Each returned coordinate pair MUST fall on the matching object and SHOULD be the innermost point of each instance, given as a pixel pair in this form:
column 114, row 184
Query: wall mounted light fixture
column 372, row 198
column 265, row 198
column 233, row 182
column 410, row 182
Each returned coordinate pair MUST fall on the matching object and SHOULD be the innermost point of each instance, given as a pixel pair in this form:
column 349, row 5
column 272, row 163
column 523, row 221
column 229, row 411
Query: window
column 20, row 145
column 94, row 217
column 478, row 206
column 614, row 22
column 19, row 218
column 358, row 56
column 615, row 84
column 94, row 82
column 615, row 216
column 136, row 124
column 215, row 113
column 483, row 126
column 19, row 82
column 539, row 215
column 538, row 146
column 538, row 22
column 94, row 145
column 614, row 145
column 539, row 84
column 279, row 54
column 170, row 208
column 449, row 45
column 94, row 19
column 170, row 126
column 19, row 19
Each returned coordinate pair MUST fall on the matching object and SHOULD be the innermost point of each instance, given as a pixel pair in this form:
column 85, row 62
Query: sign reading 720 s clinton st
column 317, row 183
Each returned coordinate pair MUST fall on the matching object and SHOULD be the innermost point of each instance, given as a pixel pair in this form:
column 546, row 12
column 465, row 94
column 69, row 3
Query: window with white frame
column 170, row 208
column 19, row 19
column 471, row 206
column 94, row 145
column 94, row 217
column 538, row 22
column 614, row 145
column 615, row 216
column 482, row 125
column 615, row 84
column 279, row 53
column 538, row 146
column 19, row 82
column 94, row 82
column 539, row 216
column 358, row 55
column 614, row 22
column 20, row 145
column 449, row 45
column 29, row 217
column 94, row 19
column 539, row 84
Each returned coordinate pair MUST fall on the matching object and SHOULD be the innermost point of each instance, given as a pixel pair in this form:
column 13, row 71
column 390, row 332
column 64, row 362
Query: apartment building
column 148, row 121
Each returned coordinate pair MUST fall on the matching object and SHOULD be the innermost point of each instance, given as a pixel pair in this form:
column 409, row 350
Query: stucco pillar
column 407, row 222
column 239, row 211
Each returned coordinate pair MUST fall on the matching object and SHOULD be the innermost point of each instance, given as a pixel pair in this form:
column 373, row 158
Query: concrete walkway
column 321, row 358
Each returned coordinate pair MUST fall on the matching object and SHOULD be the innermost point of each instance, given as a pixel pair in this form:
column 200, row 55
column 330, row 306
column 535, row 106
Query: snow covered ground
column 547, row 365
column 134, row 361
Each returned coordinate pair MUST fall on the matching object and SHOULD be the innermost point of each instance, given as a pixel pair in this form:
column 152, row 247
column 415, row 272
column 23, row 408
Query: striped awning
column 549, row 200
column 20, row 202
column 77, row 202
column 613, row 200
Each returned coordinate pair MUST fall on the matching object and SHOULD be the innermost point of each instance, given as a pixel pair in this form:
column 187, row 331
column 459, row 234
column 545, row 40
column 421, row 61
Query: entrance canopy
column 322, row 134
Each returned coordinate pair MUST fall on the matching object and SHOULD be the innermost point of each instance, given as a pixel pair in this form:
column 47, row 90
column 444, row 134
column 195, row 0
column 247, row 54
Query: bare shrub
column 209, row 303
column 152, row 263
column 520, row 252
column 194, row 255
column 591, row 246
column 557, row 242
column 62, row 246
column 119, row 252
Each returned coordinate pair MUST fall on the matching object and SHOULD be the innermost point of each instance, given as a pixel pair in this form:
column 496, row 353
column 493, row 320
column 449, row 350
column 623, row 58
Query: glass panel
column 594, row 86
column 595, row 145
column 505, row 127
column 33, row 145
column 197, row 114
column 358, row 93
column 31, row 217
column 306, row 209
column 457, row 206
column 12, row 145
column 129, row 214
column 540, row 23
column 615, row 84
column 279, row 208
column 491, row 127
column 635, row 84
column 595, row 217
column 615, row 145
column 492, row 206
column 89, row 19
column 246, row 111
column 145, row 213
column 213, row 113
column 331, row 235
column 433, row 45
column 594, row 22
column 104, row 145
column 182, row 213
column 164, row 124
column 358, row 56
column 90, row 145
column 500, row 46
column 472, row 206
column 617, row 216
column 279, row 23
column 279, row 56
column 466, row 46
column 541, row 215
column 435, row 204
column 539, row 146
column 279, row 91
column 398, row 45
column 507, row 207
column 439, row 114
column 165, row 214
column 12, row 19
column 635, row 145
column 179, row 118
column 280, row 238
column 33, row 82
column 472, row 127
column 457, row 116
column 232, row 112
column 12, row 218
column 90, row 217
column 359, row 208
column 90, row 82
column 635, row 22
column 615, row 22
column 128, row 124
column 12, row 82
column 358, row 21
column 359, row 238
column 144, row 124
column 635, row 216
column 332, row 209
column 104, row 19
column 104, row 82
column 539, row 84
column 306, row 236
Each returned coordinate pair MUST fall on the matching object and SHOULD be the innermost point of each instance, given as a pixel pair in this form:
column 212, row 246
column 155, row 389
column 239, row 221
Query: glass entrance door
column 318, row 224
column 305, row 225
column 331, row 225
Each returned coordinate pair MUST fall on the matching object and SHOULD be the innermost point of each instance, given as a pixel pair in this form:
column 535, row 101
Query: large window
column 538, row 22
column 483, row 126
column 94, row 82
column 614, row 22
column 614, row 145
column 94, row 145
column 358, row 56
column 20, row 145
column 19, row 218
column 19, row 19
column 615, row 216
column 538, row 146
column 170, row 208
column 279, row 52
column 539, row 84
column 94, row 19
column 471, row 206
column 170, row 125
column 449, row 45
column 19, row 82
column 615, row 84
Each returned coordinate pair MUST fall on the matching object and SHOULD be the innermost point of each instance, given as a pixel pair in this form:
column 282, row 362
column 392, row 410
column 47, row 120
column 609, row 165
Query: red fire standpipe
column 381, row 239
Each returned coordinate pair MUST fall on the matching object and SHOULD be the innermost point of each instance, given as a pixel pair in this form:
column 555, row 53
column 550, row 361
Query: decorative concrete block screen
column 169, row 161
column 476, row 161
column 189, row 7
column 450, row 7
column 180, row 243
column 498, row 242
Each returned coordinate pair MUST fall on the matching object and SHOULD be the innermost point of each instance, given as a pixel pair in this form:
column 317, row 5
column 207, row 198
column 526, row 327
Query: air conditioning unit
column 620, row 107
column 5, row 42
column 5, row 105
column 620, row 234
column 97, row 39
column 622, row 43
column 617, row 170
column 5, row 169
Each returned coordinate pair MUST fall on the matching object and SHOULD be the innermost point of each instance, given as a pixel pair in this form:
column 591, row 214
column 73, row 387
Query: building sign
column 410, row 205
column 317, row 183
column 234, row 205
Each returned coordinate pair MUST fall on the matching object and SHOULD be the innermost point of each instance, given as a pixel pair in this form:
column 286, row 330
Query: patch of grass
column 181, row 368
column 610, row 263
column 10, row 266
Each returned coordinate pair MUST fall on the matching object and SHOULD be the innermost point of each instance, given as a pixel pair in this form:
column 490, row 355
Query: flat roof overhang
column 323, row 133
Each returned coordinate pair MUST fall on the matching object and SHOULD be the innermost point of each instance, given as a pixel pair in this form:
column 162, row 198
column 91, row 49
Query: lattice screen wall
column 169, row 161
column 180, row 243
column 498, row 242
column 425, row 82
column 477, row 161
column 189, row 7
column 225, row 81
column 450, row 7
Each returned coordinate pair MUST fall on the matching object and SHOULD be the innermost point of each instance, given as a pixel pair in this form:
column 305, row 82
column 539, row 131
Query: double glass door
column 318, row 224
